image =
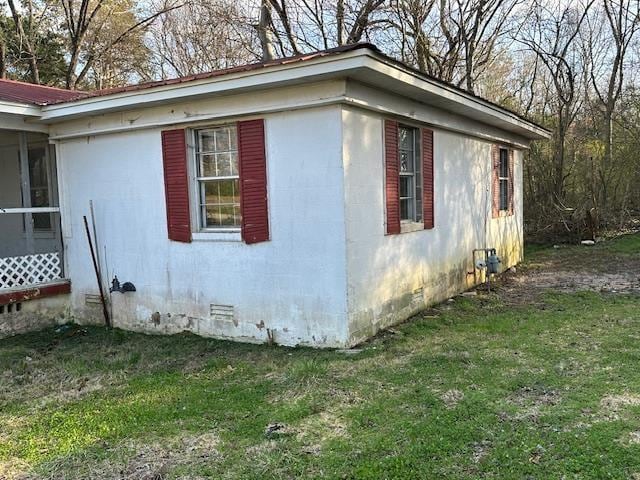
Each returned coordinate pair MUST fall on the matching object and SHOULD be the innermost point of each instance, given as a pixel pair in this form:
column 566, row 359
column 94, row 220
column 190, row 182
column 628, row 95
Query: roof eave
column 363, row 64
column 20, row 109
column 430, row 91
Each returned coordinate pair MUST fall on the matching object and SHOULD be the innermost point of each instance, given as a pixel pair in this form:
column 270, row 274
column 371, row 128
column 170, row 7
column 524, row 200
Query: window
column 410, row 175
column 217, row 177
column 39, row 182
column 503, row 179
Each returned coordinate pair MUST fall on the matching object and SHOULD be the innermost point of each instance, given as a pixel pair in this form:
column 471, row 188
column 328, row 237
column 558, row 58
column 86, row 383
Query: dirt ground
column 567, row 269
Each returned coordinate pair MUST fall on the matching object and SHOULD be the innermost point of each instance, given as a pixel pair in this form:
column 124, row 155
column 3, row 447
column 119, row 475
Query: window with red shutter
column 176, row 180
column 427, row 178
column 502, row 180
column 253, row 181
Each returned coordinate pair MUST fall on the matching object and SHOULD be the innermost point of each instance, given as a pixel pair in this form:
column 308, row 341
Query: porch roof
column 30, row 94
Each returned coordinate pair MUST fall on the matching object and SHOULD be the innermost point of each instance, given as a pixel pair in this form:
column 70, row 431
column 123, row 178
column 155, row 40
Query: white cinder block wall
column 392, row 276
column 329, row 276
column 294, row 284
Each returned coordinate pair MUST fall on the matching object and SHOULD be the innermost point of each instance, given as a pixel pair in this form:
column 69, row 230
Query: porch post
column 26, row 190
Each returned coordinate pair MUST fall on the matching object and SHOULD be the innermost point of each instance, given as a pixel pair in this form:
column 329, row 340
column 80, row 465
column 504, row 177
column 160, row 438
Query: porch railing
column 26, row 270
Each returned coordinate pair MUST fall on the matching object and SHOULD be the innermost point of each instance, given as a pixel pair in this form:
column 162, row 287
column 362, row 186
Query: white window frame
column 201, row 231
column 503, row 180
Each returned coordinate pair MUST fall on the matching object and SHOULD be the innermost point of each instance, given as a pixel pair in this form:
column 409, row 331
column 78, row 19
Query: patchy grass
column 625, row 244
column 473, row 389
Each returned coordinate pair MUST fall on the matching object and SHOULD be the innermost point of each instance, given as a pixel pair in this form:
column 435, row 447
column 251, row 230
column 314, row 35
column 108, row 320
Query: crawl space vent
column 91, row 299
column 221, row 312
column 10, row 308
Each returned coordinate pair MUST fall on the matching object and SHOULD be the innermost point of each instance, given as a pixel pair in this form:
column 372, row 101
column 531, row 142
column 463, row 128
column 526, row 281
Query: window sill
column 219, row 236
column 407, row 227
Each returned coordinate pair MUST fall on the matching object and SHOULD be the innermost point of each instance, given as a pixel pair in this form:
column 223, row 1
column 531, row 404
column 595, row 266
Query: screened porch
column 30, row 238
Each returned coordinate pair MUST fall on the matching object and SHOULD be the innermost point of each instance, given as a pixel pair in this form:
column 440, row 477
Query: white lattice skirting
column 29, row 269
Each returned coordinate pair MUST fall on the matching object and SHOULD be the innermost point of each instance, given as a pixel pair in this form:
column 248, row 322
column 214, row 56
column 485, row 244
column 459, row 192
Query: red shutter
column 427, row 178
column 392, row 176
column 511, row 172
column 253, row 181
column 495, row 180
column 176, row 184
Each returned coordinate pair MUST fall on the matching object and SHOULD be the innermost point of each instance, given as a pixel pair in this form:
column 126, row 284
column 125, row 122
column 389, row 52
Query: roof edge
column 457, row 90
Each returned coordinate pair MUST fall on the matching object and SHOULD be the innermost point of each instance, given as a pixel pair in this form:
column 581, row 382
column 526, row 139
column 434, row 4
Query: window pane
column 222, row 203
column 39, row 197
column 208, row 166
column 222, row 140
column 504, row 163
column 233, row 138
column 504, row 194
column 229, row 191
column 405, row 186
column 38, row 176
column 405, row 138
column 206, row 141
column 406, row 162
column 227, row 216
column 211, row 192
column 224, row 164
column 406, row 209
column 212, row 216
column 233, row 158
column 42, row 221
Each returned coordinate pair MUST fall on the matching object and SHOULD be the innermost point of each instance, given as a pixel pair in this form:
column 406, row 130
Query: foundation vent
column 418, row 295
column 10, row 308
column 91, row 299
column 221, row 312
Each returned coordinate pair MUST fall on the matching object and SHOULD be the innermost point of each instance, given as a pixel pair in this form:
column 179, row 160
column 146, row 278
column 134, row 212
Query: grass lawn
column 477, row 388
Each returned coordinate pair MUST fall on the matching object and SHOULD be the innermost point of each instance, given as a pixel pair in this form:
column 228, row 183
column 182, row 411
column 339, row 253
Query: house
column 311, row 200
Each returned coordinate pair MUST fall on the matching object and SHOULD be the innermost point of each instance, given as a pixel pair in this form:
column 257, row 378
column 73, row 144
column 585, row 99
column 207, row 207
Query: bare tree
column 307, row 25
column 26, row 39
column 453, row 40
column 201, row 36
column 551, row 34
column 83, row 22
column 608, row 49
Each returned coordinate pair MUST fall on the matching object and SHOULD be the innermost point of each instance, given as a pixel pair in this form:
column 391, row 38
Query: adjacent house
column 311, row 200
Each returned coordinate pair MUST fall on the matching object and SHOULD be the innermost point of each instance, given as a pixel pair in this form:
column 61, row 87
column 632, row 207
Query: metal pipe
column 107, row 320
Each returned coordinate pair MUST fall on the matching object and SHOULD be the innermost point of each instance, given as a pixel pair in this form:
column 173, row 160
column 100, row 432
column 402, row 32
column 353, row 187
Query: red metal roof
column 21, row 92
column 227, row 71
column 40, row 95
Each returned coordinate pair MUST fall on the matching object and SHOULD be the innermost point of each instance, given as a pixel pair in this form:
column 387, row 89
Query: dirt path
column 571, row 269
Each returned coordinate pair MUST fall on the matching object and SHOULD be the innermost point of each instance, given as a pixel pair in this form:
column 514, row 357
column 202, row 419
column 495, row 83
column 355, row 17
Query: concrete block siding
column 329, row 276
column 391, row 277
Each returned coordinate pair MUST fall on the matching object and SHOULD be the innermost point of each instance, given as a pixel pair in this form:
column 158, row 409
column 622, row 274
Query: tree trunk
column 264, row 34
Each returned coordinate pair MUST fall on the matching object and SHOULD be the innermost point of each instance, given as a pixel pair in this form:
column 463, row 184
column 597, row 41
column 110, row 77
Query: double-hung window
column 218, row 177
column 410, row 175
column 503, row 179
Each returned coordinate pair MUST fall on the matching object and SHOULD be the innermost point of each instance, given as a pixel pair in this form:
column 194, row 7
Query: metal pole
column 107, row 320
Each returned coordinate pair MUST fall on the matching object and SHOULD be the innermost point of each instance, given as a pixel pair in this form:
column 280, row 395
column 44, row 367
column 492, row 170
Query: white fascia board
column 468, row 102
column 362, row 64
column 20, row 109
column 10, row 121
column 294, row 73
